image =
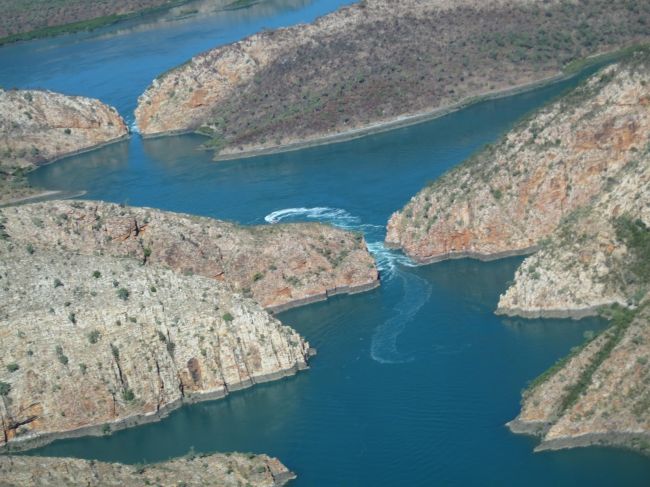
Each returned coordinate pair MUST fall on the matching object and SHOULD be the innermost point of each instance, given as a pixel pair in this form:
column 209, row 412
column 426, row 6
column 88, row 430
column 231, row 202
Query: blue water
column 413, row 381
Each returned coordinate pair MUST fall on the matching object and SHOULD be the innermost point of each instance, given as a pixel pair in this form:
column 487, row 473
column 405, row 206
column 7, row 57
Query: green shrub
column 97, row 274
column 123, row 293
column 13, row 367
column 61, row 356
column 227, row 317
column 93, row 336
column 5, row 389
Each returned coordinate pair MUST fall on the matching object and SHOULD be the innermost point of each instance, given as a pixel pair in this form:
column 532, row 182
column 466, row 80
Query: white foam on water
column 133, row 127
column 383, row 347
column 390, row 263
column 336, row 216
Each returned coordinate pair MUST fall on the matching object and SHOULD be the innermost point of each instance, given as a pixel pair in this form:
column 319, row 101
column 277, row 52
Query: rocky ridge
column 280, row 266
column 373, row 63
column 510, row 196
column 95, row 343
column 597, row 396
column 37, row 127
column 231, row 470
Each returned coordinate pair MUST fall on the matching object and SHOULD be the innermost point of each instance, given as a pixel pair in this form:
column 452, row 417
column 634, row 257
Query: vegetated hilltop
column 229, row 470
column 37, row 127
column 27, row 19
column 375, row 62
column 279, row 266
column 96, row 343
column 574, row 181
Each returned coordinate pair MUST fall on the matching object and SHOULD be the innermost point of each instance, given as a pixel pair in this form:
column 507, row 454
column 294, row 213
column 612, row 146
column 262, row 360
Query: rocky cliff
column 278, row 265
column 94, row 343
column 510, row 196
column 37, row 127
column 232, row 470
column 374, row 62
column 571, row 182
column 598, row 395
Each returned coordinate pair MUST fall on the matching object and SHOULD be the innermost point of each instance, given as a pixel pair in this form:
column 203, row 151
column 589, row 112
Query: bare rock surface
column 278, row 265
column 95, row 343
column 230, row 470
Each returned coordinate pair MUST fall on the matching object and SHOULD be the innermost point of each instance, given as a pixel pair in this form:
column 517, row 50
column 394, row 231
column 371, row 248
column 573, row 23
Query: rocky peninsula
column 571, row 182
column 279, row 266
column 375, row 64
column 37, row 127
column 232, row 470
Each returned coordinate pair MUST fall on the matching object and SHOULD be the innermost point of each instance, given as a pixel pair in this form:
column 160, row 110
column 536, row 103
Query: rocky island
column 572, row 184
column 37, row 127
column 231, row 470
column 377, row 64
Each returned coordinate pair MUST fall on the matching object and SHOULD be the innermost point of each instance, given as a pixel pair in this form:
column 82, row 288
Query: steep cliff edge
column 278, row 265
column 510, row 196
column 231, row 470
column 95, row 343
column 597, row 396
column 375, row 62
column 37, row 127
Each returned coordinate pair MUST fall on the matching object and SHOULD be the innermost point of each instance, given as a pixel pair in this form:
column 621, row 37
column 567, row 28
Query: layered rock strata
column 96, row 343
column 232, row 470
column 280, row 266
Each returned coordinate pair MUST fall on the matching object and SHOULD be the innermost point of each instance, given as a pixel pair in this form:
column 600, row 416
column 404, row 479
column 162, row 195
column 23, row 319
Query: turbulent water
column 415, row 380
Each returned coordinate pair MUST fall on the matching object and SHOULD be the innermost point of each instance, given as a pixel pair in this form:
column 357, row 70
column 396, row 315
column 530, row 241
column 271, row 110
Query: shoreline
column 324, row 296
column 559, row 313
column 401, row 121
column 51, row 194
column 30, row 443
column 43, row 196
column 569, row 71
column 466, row 254
column 615, row 439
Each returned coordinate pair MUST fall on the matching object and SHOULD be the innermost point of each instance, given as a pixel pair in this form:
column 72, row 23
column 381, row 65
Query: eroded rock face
column 278, row 265
column 587, row 263
column 509, row 197
column 599, row 395
column 232, row 470
column 95, row 343
column 374, row 62
column 40, row 126
column 37, row 127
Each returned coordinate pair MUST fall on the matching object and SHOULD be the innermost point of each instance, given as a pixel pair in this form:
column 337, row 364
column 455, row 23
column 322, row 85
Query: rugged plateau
column 37, row 127
column 378, row 62
column 230, row 470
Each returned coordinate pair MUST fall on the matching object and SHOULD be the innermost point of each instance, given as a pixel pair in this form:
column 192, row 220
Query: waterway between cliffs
column 413, row 381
